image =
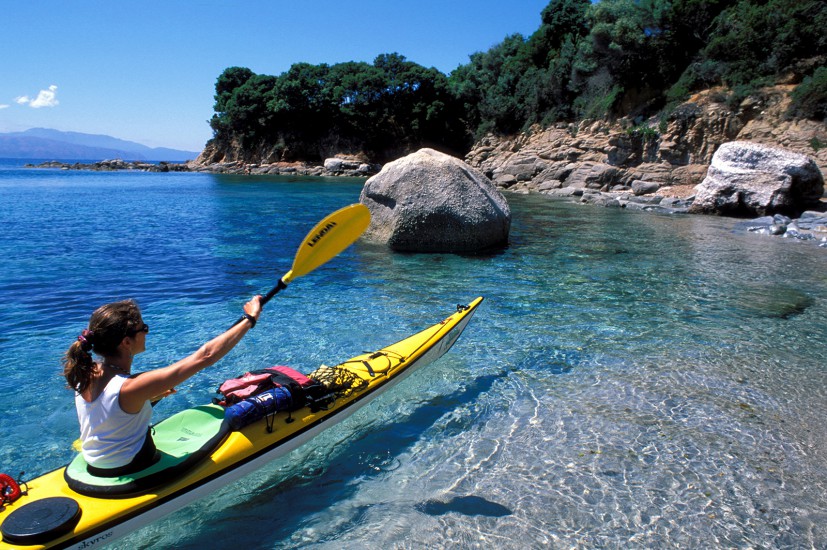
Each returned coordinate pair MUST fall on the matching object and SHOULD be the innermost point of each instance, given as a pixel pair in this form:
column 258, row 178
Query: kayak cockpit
column 182, row 440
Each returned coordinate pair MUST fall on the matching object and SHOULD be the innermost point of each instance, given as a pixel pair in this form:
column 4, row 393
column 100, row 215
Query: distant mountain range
column 42, row 143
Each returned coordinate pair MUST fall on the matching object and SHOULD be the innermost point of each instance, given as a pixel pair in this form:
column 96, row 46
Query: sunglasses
column 143, row 328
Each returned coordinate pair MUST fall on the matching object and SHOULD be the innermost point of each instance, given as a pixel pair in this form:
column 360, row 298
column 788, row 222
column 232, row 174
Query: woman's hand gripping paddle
column 324, row 242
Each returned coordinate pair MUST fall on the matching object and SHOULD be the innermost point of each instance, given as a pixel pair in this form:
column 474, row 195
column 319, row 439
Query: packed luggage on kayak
column 262, row 393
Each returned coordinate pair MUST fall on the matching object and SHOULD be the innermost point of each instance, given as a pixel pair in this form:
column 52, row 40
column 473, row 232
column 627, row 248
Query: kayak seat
column 182, row 440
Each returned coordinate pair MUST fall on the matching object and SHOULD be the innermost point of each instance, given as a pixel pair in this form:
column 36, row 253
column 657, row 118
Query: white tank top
column 111, row 437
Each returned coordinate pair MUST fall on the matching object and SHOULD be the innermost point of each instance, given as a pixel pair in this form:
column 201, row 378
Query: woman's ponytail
column 78, row 364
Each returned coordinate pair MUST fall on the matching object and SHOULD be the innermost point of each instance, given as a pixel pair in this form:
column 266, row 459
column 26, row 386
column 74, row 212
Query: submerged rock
column 431, row 202
column 470, row 505
column 777, row 301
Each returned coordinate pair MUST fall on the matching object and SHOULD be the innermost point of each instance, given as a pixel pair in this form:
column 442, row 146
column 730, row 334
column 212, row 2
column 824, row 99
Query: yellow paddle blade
column 330, row 236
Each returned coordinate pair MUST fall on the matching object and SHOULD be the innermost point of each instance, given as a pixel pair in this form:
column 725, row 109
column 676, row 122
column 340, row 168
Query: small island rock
column 432, row 202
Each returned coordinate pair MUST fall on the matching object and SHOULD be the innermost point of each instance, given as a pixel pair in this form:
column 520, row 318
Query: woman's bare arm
column 144, row 387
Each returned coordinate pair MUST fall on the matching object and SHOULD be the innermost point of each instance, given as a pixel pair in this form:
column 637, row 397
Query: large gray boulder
column 431, row 202
column 747, row 179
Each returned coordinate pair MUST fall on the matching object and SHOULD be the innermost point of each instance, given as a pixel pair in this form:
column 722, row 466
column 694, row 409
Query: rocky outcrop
column 331, row 167
column 620, row 156
column 431, row 202
column 231, row 160
column 114, row 165
column 749, row 179
column 348, row 166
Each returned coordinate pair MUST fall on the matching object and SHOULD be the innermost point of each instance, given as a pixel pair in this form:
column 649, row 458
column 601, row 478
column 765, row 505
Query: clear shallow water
column 632, row 380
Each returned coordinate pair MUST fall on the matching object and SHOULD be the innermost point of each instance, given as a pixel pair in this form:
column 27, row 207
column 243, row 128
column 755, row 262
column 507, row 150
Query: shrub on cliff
column 809, row 99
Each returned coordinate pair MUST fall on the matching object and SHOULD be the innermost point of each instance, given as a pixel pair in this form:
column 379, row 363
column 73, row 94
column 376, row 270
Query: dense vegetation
column 310, row 111
column 612, row 58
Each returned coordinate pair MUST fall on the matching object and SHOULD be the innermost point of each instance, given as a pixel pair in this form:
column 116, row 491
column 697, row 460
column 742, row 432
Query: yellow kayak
column 69, row 508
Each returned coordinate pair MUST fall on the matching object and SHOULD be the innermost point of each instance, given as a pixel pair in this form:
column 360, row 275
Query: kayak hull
column 103, row 520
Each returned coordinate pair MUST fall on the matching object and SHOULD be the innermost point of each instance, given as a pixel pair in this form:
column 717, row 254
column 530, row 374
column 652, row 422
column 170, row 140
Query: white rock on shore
column 749, row 179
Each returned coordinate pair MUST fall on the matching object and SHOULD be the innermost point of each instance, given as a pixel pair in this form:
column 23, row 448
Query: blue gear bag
column 252, row 409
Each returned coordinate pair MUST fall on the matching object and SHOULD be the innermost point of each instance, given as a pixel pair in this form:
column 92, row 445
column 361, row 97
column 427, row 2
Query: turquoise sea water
column 632, row 379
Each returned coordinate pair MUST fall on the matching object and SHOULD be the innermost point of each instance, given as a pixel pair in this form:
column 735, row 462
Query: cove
column 631, row 378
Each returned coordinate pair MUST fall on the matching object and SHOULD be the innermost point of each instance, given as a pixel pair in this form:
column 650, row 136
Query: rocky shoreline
column 655, row 165
column 644, row 156
column 334, row 167
column 811, row 226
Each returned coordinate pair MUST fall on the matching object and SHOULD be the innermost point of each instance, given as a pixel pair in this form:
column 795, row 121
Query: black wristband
column 249, row 318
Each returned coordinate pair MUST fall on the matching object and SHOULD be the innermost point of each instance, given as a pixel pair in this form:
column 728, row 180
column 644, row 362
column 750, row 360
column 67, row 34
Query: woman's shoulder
column 102, row 384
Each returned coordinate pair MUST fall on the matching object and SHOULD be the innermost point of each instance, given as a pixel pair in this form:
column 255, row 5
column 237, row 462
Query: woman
column 114, row 407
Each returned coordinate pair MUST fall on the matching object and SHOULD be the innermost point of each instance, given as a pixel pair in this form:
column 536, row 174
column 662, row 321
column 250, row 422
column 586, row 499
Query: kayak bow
column 50, row 514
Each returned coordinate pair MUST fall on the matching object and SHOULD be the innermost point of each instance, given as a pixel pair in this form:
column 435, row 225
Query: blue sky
column 146, row 71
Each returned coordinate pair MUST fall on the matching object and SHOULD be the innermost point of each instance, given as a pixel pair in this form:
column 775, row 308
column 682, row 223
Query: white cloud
column 45, row 98
column 4, row 106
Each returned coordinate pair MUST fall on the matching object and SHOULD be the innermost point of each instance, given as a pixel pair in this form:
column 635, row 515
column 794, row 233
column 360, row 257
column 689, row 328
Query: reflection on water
column 632, row 380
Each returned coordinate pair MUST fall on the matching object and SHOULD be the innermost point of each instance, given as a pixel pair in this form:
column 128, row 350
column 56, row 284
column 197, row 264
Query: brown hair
column 108, row 326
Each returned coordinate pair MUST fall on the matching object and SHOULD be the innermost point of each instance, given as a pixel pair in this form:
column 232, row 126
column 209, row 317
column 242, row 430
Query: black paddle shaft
column 266, row 298
column 273, row 291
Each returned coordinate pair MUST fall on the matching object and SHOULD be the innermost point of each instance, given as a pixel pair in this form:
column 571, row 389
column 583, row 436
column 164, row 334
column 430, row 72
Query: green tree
column 487, row 87
column 754, row 41
column 546, row 90
column 562, row 20
column 246, row 110
column 302, row 99
column 231, row 79
column 226, row 84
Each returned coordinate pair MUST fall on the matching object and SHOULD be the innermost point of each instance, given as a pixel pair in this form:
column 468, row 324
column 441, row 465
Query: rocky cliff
column 670, row 156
